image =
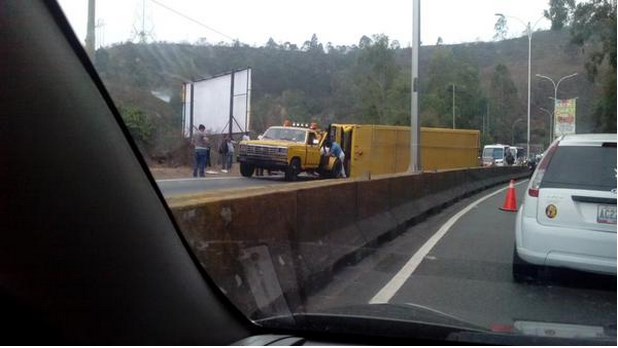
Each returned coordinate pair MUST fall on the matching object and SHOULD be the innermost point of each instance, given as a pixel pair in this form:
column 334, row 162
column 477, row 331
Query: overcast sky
column 342, row 22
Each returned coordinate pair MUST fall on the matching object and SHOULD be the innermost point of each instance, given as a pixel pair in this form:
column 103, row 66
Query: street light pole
column 529, row 29
column 551, row 124
column 550, row 118
column 453, row 106
column 415, row 129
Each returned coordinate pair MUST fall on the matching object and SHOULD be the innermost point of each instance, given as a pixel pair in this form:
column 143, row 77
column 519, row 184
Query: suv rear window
column 582, row 167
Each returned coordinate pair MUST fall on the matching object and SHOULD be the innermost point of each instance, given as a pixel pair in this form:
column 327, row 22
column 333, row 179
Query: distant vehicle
column 494, row 155
column 568, row 216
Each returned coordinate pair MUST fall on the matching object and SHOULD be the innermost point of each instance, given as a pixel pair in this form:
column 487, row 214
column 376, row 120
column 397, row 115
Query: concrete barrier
column 268, row 248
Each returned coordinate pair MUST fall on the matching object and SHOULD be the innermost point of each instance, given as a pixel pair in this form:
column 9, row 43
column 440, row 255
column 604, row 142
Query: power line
column 191, row 19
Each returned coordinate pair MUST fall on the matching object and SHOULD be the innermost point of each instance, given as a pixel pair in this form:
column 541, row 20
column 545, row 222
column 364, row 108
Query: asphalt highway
column 459, row 262
column 176, row 187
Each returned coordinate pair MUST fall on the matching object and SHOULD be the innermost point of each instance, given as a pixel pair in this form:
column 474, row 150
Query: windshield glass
column 286, row 134
column 495, row 153
column 377, row 219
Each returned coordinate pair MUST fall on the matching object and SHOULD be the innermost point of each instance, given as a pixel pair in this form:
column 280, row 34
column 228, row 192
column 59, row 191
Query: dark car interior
column 89, row 252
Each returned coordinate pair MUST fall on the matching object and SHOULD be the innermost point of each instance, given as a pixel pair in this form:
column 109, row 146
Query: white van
column 494, row 155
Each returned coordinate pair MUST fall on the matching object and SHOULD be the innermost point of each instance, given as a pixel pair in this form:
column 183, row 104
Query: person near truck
column 230, row 153
column 509, row 158
column 201, row 147
column 332, row 148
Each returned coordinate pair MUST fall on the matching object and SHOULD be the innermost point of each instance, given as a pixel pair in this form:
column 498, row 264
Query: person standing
column 509, row 158
column 230, row 153
column 223, row 148
column 201, row 148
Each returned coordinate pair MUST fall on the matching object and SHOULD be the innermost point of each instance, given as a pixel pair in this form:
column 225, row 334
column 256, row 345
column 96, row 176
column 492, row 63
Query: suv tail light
column 533, row 191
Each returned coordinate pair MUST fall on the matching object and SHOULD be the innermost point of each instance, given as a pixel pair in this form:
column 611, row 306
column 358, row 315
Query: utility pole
column 231, row 122
column 529, row 32
column 90, row 30
column 487, row 113
column 415, row 129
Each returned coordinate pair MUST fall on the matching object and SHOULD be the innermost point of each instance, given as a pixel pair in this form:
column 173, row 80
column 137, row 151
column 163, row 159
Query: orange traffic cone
column 510, row 204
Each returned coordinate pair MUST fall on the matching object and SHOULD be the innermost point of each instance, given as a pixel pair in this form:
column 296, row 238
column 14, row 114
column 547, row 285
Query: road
column 176, row 187
column 465, row 270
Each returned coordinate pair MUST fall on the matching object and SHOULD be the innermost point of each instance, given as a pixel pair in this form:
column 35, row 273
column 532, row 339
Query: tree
column 313, row 45
column 435, row 96
column 593, row 24
column 398, row 100
column 271, row 44
column 376, row 70
column 437, row 91
column 501, row 29
column 504, row 103
column 559, row 12
column 596, row 22
column 139, row 125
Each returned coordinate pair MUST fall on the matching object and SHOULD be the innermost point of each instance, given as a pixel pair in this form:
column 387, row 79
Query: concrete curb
column 297, row 237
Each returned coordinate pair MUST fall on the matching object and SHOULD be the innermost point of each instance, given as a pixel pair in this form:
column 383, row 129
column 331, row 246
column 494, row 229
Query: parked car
column 568, row 215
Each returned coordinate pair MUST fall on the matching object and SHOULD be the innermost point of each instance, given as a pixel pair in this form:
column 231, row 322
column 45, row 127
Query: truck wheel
column 292, row 171
column 246, row 169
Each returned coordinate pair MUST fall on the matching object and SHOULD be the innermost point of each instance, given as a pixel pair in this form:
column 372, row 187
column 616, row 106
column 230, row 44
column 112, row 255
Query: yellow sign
column 565, row 117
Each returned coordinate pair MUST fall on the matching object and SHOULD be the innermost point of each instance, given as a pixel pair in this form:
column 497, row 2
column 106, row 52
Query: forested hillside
column 364, row 83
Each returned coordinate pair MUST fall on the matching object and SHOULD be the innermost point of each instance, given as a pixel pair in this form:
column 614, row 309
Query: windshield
column 495, row 153
column 385, row 221
column 286, row 134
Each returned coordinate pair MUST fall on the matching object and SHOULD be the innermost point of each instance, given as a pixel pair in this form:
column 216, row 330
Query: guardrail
column 268, row 248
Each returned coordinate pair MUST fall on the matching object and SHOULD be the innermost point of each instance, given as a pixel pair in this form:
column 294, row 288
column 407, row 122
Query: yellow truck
column 378, row 149
column 369, row 150
column 289, row 149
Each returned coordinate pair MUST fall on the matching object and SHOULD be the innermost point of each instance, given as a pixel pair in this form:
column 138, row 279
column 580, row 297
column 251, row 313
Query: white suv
column 568, row 215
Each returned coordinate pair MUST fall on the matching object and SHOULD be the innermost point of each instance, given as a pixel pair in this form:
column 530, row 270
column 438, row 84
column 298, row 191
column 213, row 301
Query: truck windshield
column 495, row 153
column 286, row 134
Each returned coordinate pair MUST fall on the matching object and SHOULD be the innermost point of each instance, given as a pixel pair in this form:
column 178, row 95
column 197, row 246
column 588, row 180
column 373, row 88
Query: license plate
column 606, row 214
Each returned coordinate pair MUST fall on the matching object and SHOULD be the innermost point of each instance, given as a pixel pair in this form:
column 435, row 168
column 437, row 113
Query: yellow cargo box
column 378, row 149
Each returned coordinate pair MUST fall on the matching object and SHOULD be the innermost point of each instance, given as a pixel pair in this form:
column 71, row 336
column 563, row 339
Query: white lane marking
column 199, row 179
column 391, row 288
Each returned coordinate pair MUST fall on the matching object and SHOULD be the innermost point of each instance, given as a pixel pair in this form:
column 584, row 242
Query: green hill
column 367, row 83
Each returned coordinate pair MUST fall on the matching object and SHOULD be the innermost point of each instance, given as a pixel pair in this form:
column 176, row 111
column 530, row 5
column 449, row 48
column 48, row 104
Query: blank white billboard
column 209, row 102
